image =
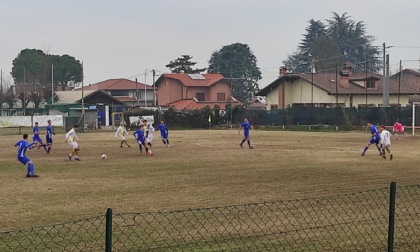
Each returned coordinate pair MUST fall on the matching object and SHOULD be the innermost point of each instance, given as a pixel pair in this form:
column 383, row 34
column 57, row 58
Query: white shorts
column 121, row 137
column 73, row 145
column 385, row 146
column 149, row 139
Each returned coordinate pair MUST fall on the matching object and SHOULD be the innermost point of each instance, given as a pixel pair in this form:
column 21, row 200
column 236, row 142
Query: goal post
column 414, row 117
column 117, row 118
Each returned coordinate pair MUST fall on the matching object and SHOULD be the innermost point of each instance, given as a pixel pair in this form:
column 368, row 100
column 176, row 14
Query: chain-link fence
column 83, row 235
column 353, row 222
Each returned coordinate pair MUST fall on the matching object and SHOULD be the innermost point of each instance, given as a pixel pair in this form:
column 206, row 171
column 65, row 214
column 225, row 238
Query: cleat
column 32, row 176
column 384, row 156
column 69, row 156
column 121, row 146
column 390, row 156
column 169, row 146
column 78, row 159
column 129, row 146
column 28, row 175
column 251, row 148
column 241, row 145
column 363, row 154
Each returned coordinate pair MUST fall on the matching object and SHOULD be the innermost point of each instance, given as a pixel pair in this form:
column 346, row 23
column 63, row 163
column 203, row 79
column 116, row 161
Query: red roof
column 209, row 79
column 193, row 104
column 117, row 84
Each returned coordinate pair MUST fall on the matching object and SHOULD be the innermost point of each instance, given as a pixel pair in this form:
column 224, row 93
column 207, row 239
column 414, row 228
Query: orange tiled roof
column 209, row 79
column 193, row 104
column 117, row 84
column 327, row 82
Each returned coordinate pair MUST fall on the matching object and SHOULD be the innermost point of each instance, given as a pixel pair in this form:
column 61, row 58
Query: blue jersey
column 49, row 132
column 246, row 126
column 374, row 131
column 23, row 146
column 139, row 135
column 35, row 135
column 163, row 130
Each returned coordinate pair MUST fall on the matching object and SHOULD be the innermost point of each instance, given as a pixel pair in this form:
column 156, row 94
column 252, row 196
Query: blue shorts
column 374, row 141
column 37, row 140
column 24, row 160
column 164, row 136
column 246, row 134
column 140, row 142
column 49, row 140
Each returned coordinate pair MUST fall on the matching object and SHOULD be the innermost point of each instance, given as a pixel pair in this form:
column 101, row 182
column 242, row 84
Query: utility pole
column 383, row 66
column 137, row 93
column 83, row 99
column 145, row 90
column 386, row 86
column 154, row 88
column 24, row 94
column 52, row 84
column 399, row 89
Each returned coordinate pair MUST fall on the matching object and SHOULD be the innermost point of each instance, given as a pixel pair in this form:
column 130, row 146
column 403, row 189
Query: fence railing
column 386, row 219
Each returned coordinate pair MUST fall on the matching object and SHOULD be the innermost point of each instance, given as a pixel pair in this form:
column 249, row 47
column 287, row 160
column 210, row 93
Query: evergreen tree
column 349, row 36
column 184, row 65
column 238, row 62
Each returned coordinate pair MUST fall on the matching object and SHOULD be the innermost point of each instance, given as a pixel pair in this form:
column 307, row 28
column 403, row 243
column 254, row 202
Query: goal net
column 414, row 117
column 117, row 118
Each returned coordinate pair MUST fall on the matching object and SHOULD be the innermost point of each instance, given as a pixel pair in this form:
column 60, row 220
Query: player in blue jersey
column 164, row 133
column 48, row 139
column 246, row 125
column 36, row 138
column 374, row 139
column 21, row 156
column 139, row 135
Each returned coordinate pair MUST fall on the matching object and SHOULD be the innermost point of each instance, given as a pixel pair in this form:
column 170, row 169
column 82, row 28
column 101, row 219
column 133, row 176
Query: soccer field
column 202, row 168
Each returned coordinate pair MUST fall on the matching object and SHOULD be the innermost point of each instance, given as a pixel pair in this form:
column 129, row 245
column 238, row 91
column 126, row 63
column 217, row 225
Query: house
column 346, row 89
column 190, row 91
column 410, row 78
column 129, row 92
column 103, row 103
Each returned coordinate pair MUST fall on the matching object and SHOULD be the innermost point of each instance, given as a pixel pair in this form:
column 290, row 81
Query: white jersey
column 121, row 132
column 148, row 131
column 385, row 138
column 71, row 136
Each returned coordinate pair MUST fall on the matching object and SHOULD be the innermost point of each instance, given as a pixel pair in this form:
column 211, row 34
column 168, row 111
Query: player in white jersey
column 71, row 139
column 385, row 141
column 121, row 133
column 148, row 135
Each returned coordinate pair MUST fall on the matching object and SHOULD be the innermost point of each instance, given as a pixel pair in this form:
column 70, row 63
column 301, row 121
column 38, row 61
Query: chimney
column 345, row 73
column 282, row 71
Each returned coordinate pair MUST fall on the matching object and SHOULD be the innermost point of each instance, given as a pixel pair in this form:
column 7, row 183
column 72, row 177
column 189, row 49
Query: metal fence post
column 391, row 221
column 108, row 230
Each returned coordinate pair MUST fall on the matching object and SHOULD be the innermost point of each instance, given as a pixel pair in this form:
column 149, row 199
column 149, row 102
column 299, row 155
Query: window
column 200, row 96
column 221, row 97
column 371, row 84
column 119, row 93
column 272, row 107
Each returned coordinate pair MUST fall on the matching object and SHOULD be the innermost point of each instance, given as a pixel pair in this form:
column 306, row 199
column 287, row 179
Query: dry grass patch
column 201, row 169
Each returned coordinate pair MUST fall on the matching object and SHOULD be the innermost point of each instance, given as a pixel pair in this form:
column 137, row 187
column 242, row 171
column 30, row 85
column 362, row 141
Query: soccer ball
column 103, row 156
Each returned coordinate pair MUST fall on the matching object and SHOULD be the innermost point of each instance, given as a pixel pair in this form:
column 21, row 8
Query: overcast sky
column 120, row 39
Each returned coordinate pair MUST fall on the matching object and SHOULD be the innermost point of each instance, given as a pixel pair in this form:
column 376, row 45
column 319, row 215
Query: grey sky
column 120, row 39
